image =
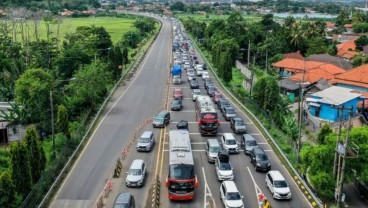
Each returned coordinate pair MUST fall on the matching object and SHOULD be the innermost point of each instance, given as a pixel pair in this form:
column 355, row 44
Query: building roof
column 322, row 84
column 326, row 71
column 347, row 49
column 289, row 84
column 296, row 65
column 295, row 55
column 335, row 95
column 348, row 25
column 330, row 24
column 356, row 77
column 337, row 61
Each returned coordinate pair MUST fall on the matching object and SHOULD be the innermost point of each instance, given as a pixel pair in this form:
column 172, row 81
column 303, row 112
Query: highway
column 131, row 104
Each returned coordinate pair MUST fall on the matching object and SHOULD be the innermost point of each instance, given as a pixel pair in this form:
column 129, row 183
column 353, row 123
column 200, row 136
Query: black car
column 176, row 105
column 183, row 124
column 125, row 200
column 207, row 82
column 222, row 104
column 194, row 84
column 211, row 90
column 161, row 119
column 259, row 159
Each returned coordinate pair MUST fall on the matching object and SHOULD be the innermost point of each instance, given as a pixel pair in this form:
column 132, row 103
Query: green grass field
column 116, row 27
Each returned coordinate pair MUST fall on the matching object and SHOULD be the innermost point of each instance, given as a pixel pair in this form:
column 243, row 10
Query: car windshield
column 251, row 143
column 197, row 92
column 230, row 141
column 144, row 140
column 230, row 111
column 214, row 149
column 233, row 196
column 239, row 123
column 261, row 157
column 176, row 102
column 280, row 184
column 225, row 166
column 135, row 172
column 159, row 118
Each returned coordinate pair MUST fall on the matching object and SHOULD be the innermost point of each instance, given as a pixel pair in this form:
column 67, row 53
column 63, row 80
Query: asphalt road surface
column 131, row 104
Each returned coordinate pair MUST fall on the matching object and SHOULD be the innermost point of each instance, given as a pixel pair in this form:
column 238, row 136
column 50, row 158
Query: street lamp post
column 52, row 118
column 103, row 49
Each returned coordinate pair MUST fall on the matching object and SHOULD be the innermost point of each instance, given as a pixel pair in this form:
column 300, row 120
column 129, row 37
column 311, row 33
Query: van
column 124, row 199
column 277, row 184
column 230, row 195
column 136, row 173
column 145, row 141
column 161, row 119
column 212, row 149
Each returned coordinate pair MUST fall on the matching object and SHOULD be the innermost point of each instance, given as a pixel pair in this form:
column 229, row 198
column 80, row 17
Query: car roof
column 137, row 163
column 229, row 107
column 258, row 150
column 248, row 137
column 123, row 197
column 276, row 175
column 177, row 90
column 196, row 90
column 213, row 142
column 229, row 136
column 147, row 134
column 230, row 186
column 237, row 119
column 162, row 113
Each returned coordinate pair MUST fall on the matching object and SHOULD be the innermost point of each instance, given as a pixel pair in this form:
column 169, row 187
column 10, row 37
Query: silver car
column 146, row 141
column 248, row 142
column 136, row 173
column 195, row 93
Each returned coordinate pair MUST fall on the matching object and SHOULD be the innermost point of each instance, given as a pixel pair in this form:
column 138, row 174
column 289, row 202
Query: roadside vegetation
column 225, row 40
column 37, row 68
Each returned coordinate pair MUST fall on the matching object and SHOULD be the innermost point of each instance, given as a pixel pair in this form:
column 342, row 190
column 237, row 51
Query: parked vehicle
column 223, row 102
column 248, row 142
column 211, row 90
column 259, row 159
column 228, row 113
column 277, row 184
column 124, row 200
column 190, row 72
column 195, row 93
column 229, row 143
column 216, row 97
column 230, row 195
column 136, row 173
column 161, row 119
column 178, row 94
column 176, row 105
column 194, row 84
column 223, row 167
column 176, row 74
column 205, row 75
column 238, row 125
column 212, row 149
column 145, row 141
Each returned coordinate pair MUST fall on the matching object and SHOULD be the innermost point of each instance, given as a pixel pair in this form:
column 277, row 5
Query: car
column 230, row 195
column 248, row 142
column 213, row 148
column 124, row 200
column 176, row 105
column 229, row 143
column 223, row 167
column 194, row 58
column 228, row 113
column 207, row 82
column 199, row 71
column 196, row 62
column 195, row 93
column 190, row 72
column 259, row 159
column 205, row 75
column 191, row 77
column 194, row 84
column 182, row 124
column 186, row 66
column 178, row 62
column 217, row 96
column 211, row 90
column 277, row 185
column 177, row 94
column 176, row 79
column 145, row 141
column 222, row 104
column 204, row 66
column 136, row 173
column 161, row 119
column 238, row 125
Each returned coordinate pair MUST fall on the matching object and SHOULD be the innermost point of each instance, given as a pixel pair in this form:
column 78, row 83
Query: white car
column 223, row 167
column 195, row 93
column 230, row 195
column 190, row 72
column 229, row 143
column 199, row 71
column 205, row 75
column 277, row 184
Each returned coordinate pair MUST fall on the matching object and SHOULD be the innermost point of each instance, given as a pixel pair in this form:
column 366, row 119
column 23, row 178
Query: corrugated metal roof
column 335, row 95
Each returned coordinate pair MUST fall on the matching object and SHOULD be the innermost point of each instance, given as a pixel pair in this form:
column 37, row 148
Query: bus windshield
column 181, row 172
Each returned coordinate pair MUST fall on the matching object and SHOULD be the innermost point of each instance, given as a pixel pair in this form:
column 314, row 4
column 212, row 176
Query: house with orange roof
column 325, row 71
column 295, row 55
column 330, row 26
column 356, row 79
column 290, row 66
column 349, row 28
column 347, row 49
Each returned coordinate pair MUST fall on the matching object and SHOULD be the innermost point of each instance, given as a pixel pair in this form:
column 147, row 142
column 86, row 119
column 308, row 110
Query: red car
column 178, row 94
column 217, row 96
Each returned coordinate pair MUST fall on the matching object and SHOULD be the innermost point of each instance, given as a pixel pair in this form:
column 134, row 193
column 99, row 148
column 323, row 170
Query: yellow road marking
column 158, row 154
column 162, row 152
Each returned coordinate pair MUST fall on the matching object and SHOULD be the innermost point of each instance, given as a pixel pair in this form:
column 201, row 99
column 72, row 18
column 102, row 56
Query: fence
column 67, row 156
column 264, row 131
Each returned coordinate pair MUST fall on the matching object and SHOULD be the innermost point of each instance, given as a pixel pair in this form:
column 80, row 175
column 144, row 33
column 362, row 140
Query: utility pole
column 266, row 60
column 300, row 106
column 340, row 111
column 248, row 53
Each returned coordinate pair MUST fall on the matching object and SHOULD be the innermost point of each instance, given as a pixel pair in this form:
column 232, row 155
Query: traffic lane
column 91, row 170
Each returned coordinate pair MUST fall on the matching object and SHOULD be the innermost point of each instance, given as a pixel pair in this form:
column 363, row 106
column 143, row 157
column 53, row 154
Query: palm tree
column 296, row 35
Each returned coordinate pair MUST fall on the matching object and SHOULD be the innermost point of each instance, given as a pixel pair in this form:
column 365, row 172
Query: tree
column 32, row 91
column 70, row 60
column 324, row 132
column 266, row 93
column 35, row 153
column 289, row 21
column 21, row 170
column 361, row 42
column 62, row 121
column 178, row 6
column 7, row 190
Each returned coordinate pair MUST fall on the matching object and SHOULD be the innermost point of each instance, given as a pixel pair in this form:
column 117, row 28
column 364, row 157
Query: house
column 290, row 66
column 290, row 88
column 321, row 104
column 330, row 26
column 356, row 79
column 295, row 55
column 349, row 28
column 347, row 49
column 324, row 71
column 8, row 131
column 337, row 61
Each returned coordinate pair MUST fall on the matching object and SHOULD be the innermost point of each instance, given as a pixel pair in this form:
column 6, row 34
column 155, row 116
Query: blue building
column 320, row 104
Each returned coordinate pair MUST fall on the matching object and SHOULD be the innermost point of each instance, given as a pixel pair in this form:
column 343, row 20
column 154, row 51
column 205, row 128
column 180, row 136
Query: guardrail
column 316, row 202
column 133, row 67
column 156, row 193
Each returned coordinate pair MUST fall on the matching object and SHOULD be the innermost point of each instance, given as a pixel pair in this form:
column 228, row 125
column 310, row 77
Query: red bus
column 181, row 180
column 206, row 114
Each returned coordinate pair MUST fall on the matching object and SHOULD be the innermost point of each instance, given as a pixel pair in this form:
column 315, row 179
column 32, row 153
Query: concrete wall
column 247, row 73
